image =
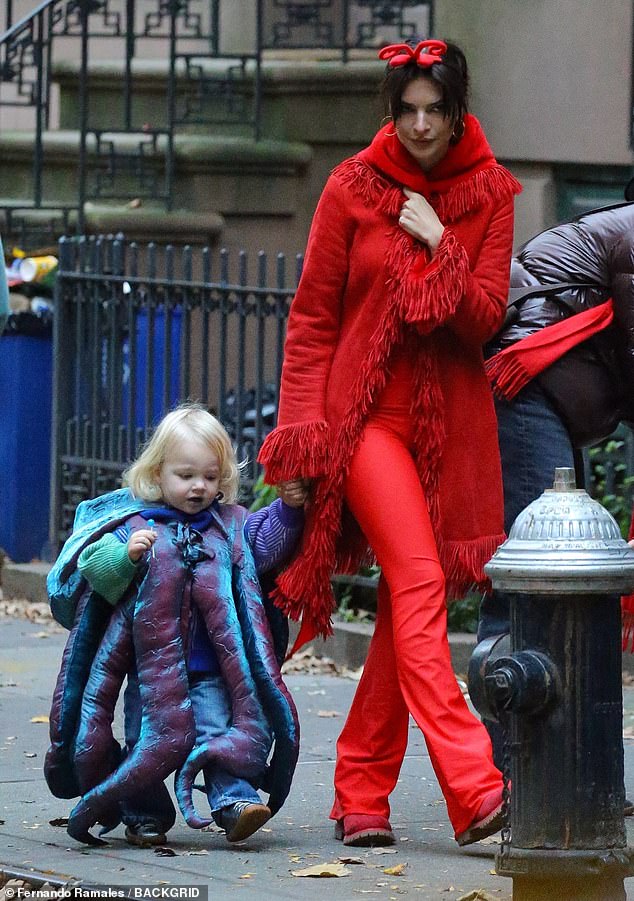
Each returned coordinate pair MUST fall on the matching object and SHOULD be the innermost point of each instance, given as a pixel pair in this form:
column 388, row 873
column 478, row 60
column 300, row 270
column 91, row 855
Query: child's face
column 190, row 475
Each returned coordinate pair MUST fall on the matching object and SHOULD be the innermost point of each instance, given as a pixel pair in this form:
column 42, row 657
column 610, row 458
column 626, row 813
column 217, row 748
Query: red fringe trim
column 463, row 563
column 628, row 634
column 432, row 298
column 507, row 376
column 292, row 451
column 627, row 621
column 490, row 185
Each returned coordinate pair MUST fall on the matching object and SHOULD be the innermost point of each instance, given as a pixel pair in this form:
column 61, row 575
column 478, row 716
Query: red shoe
column 364, row 830
column 488, row 821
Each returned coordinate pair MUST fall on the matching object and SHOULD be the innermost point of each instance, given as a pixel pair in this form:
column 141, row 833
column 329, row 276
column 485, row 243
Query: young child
column 183, row 525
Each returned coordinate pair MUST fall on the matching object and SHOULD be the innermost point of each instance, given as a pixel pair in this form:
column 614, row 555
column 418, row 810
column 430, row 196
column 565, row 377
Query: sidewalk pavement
column 429, row 865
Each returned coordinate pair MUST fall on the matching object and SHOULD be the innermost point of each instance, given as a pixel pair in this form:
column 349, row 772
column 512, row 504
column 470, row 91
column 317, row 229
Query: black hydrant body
column 556, row 689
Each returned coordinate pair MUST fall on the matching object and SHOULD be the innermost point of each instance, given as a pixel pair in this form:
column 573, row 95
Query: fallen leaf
column 59, row 821
column 200, row 853
column 30, row 754
column 163, row 851
column 351, row 860
column 384, row 851
column 395, row 871
column 247, row 876
column 323, row 870
column 328, row 713
column 478, row 895
column 42, row 635
column 41, row 718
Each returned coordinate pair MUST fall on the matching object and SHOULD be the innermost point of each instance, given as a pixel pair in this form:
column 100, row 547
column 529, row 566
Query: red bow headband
column 425, row 54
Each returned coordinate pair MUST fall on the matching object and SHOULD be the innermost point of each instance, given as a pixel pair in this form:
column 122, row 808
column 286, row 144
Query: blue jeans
column 212, row 715
column 533, row 442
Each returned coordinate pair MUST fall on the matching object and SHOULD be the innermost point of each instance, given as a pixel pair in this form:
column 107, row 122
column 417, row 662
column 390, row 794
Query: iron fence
column 138, row 329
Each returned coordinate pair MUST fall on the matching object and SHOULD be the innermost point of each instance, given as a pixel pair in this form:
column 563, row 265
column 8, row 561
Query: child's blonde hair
column 186, row 420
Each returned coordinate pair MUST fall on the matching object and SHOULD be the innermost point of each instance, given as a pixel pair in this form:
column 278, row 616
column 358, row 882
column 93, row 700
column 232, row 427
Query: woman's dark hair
column 451, row 75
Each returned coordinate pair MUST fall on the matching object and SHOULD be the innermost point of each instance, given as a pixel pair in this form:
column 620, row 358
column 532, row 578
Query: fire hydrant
column 556, row 689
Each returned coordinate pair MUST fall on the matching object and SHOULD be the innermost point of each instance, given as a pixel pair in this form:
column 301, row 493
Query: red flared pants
column 408, row 669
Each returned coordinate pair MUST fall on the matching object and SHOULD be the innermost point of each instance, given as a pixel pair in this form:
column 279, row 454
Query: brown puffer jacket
column 591, row 386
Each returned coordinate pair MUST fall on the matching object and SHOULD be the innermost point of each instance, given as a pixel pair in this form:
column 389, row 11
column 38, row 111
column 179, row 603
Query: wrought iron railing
column 205, row 85
column 137, row 329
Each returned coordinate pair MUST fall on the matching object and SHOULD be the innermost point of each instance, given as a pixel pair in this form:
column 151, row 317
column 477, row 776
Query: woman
column 385, row 406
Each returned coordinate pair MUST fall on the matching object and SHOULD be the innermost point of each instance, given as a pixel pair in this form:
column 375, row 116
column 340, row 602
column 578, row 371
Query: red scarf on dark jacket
column 513, row 368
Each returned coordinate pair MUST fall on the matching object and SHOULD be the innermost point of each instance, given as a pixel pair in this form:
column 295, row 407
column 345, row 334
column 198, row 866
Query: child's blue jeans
column 212, row 714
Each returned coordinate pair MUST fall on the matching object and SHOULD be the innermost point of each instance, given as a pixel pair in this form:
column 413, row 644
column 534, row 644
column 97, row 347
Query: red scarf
column 471, row 155
column 512, row 369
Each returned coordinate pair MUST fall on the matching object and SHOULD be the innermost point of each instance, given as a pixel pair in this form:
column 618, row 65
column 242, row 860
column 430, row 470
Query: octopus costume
column 385, row 405
column 213, row 569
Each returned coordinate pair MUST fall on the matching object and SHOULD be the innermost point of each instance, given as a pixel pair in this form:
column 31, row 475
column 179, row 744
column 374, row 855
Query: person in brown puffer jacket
column 578, row 398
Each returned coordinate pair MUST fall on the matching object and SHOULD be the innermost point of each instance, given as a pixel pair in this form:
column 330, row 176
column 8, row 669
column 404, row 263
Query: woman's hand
column 420, row 221
column 139, row 542
column 295, row 492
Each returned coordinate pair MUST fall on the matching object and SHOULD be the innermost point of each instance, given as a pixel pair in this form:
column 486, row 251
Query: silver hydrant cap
column 563, row 543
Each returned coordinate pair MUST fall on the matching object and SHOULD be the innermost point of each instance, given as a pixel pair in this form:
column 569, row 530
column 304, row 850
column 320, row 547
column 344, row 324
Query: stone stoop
column 226, row 189
column 257, row 195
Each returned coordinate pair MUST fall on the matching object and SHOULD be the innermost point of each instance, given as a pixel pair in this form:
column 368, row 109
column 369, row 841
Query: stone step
column 313, row 100
column 225, row 185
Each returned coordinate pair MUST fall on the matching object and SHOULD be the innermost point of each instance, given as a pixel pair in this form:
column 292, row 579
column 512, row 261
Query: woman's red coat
column 369, row 290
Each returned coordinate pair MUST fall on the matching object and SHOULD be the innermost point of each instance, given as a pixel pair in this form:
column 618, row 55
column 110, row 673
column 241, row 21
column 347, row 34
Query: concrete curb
column 347, row 647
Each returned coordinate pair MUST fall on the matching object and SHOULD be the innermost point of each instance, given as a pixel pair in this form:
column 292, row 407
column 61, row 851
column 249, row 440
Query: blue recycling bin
column 148, row 388
column 26, row 374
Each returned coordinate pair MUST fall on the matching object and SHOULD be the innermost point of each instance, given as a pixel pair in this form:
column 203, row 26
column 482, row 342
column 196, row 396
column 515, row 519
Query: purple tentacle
column 93, row 752
column 244, row 747
column 167, row 724
column 279, row 703
column 97, row 754
column 90, row 622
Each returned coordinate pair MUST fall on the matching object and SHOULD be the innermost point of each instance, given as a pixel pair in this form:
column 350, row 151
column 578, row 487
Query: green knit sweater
column 107, row 568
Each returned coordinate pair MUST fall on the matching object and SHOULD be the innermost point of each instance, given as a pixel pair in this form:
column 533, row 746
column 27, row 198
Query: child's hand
column 139, row 542
column 295, row 492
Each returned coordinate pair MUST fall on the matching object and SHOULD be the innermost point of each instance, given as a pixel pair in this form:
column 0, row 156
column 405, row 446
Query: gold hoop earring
column 388, row 134
column 458, row 132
